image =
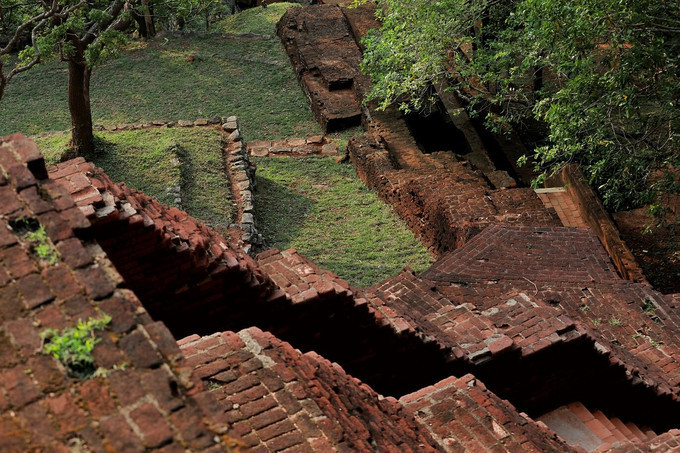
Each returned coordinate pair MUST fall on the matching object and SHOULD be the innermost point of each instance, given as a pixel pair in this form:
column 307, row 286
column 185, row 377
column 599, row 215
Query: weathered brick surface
column 463, row 415
column 165, row 256
column 308, row 403
column 326, row 60
column 443, row 201
column 43, row 408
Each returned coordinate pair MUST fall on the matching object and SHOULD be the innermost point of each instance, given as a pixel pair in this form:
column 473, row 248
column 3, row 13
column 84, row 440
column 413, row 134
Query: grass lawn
column 322, row 209
column 152, row 160
column 177, row 78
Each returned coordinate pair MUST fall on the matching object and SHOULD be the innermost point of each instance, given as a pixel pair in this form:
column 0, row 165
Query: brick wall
column 184, row 273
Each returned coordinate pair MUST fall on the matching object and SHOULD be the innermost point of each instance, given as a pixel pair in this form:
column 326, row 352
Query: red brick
column 285, row 441
column 7, row 237
column 96, row 396
column 251, row 394
column 19, row 386
column 46, row 371
column 35, row 202
column 56, row 227
column 267, row 418
column 192, row 429
column 36, row 419
column 288, row 401
column 96, row 283
column 122, row 316
column 17, row 261
column 61, row 281
column 126, row 387
column 140, row 351
column 11, row 307
column 34, row 290
column 75, row 218
column 20, row 176
column 9, row 202
column 24, row 335
column 12, row 436
column 66, row 412
column 119, row 435
column 163, row 340
column 106, row 353
column 155, row 430
column 73, row 253
column 163, row 387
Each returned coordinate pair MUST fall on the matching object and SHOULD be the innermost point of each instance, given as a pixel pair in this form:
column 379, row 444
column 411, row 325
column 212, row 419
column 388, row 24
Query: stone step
column 595, row 425
column 570, row 427
column 637, row 432
column 623, row 428
column 599, row 415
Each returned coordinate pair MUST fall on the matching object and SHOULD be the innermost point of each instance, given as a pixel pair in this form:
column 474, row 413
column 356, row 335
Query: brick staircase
column 593, row 430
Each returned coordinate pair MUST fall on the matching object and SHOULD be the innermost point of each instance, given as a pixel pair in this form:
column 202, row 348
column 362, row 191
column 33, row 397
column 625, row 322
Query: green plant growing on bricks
column 73, row 346
column 41, row 246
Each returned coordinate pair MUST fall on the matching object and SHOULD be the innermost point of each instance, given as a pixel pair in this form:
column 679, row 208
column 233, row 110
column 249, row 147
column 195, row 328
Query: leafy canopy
column 601, row 76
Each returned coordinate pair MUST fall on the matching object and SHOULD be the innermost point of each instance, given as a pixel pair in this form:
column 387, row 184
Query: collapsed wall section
column 444, row 201
column 184, row 273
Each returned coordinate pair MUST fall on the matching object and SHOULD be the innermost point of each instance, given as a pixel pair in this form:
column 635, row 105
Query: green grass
column 151, row 160
column 323, row 210
column 248, row 77
column 261, row 21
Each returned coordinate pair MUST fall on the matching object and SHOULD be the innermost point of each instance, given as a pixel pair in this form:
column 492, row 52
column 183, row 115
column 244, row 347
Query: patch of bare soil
column 657, row 252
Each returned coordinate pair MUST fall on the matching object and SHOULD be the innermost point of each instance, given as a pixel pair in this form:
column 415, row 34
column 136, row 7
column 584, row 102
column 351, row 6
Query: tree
column 19, row 19
column 602, row 76
column 82, row 40
column 81, row 33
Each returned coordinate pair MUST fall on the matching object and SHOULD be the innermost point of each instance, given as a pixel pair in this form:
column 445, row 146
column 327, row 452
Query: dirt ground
column 658, row 252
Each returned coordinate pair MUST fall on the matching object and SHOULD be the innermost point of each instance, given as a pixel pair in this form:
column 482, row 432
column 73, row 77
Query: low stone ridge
column 274, row 398
column 242, row 175
column 164, row 255
column 299, row 147
column 141, row 400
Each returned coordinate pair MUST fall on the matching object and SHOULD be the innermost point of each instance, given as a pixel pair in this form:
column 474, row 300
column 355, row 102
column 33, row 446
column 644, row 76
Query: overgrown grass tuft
column 152, row 160
column 177, row 78
column 322, row 209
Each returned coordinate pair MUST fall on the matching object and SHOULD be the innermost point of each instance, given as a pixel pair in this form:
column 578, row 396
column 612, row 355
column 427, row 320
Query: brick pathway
column 559, row 199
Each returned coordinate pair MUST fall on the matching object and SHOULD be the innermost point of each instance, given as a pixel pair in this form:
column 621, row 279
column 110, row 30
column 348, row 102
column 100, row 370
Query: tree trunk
column 82, row 139
column 148, row 20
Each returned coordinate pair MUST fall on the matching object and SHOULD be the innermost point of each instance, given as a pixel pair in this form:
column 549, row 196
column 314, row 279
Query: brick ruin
column 524, row 335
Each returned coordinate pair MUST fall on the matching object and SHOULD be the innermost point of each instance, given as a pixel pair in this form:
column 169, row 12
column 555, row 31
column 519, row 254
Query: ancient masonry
column 525, row 336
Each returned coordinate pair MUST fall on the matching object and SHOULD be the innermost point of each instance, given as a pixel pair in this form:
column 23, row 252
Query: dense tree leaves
column 603, row 76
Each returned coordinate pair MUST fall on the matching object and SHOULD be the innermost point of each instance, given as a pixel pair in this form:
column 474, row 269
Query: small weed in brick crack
column 30, row 230
column 73, row 346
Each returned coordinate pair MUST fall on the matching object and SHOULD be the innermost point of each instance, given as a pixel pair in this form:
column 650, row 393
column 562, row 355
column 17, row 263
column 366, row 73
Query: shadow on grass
column 145, row 171
column 280, row 212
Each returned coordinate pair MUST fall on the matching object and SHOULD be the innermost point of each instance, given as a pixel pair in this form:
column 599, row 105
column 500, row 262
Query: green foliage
column 324, row 211
column 603, row 76
column 73, row 346
column 41, row 246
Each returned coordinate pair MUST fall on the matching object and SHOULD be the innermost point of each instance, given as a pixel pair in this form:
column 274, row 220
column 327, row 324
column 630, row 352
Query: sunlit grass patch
column 322, row 209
